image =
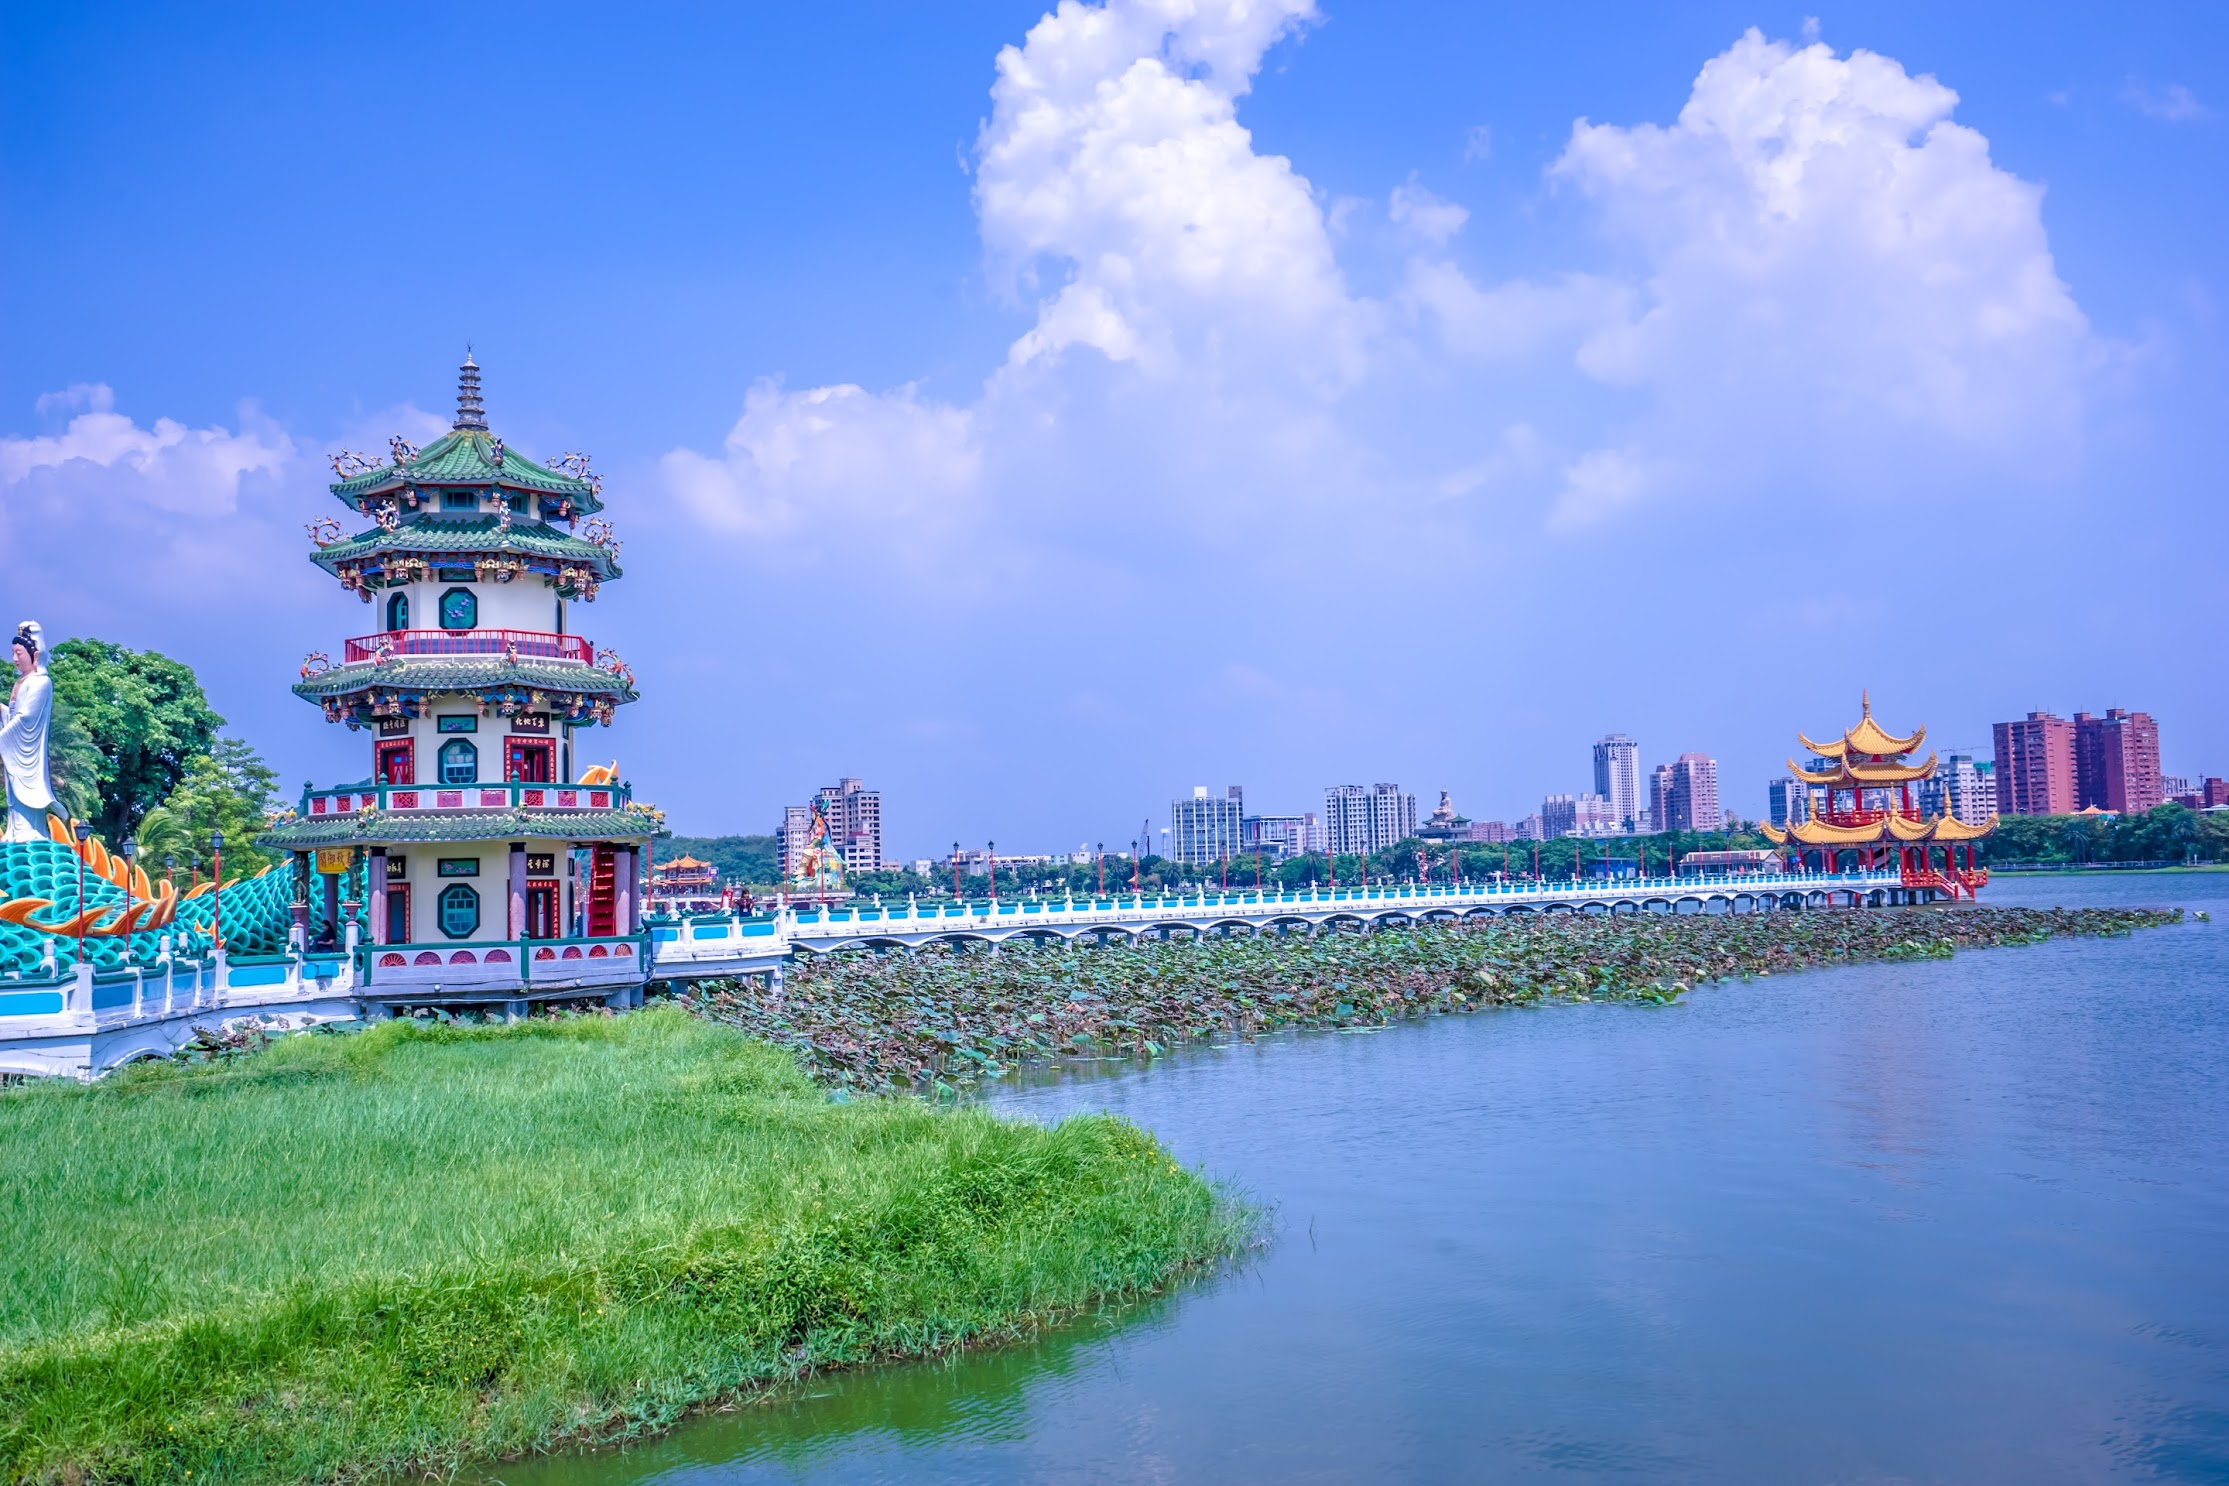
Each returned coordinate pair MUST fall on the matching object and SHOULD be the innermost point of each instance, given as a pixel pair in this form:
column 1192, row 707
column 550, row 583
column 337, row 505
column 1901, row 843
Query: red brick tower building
column 2035, row 766
column 2116, row 762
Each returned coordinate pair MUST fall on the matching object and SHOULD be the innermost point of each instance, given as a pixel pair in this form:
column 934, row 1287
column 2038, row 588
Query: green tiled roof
column 427, row 673
column 466, row 456
column 477, row 534
column 401, row 827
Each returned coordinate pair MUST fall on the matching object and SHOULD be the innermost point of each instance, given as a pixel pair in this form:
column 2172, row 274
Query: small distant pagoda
column 497, row 860
column 1868, row 812
column 683, row 885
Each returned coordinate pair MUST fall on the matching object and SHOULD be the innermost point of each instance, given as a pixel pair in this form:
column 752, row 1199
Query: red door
column 395, row 764
column 526, row 760
column 541, row 910
column 603, row 893
column 398, row 913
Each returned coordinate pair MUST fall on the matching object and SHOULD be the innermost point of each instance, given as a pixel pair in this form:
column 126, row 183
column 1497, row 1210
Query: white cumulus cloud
column 165, row 464
column 1114, row 186
column 833, row 454
column 1825, row 261
column 1814, row 275
column 1427, row 216
column 2172, row 103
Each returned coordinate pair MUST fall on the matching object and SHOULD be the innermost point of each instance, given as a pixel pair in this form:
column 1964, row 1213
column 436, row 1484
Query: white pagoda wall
column 525, row 603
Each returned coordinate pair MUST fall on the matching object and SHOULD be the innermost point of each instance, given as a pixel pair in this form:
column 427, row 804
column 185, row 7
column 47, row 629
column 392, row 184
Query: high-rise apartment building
column 1282, row 836
column 1968, row 787
column 1787, row 802
column 2116, row 762
column 1207, row 828
column 1617, row 778
column 1577, row 815
column 854, row 815
column 1694, row 793
column 1660, row 798
column 854, row 823
column 792, row 836
column 1365, row 820
column 2035, row 765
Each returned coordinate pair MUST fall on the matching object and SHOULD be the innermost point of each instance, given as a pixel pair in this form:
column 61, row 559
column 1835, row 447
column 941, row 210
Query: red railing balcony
column 1866, row 817
column 526, row 644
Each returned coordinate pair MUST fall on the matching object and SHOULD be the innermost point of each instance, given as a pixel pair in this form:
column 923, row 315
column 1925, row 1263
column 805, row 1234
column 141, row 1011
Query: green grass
column 349, row 1256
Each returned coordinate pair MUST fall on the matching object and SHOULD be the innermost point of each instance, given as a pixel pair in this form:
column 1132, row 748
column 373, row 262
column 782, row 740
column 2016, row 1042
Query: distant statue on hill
column 23, row 729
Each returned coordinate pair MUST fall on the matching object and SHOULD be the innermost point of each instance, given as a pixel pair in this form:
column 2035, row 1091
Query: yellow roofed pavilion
column 1867, row 776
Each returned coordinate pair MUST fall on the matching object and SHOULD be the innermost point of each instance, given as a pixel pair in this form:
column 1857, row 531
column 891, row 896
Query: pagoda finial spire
column 469, row 412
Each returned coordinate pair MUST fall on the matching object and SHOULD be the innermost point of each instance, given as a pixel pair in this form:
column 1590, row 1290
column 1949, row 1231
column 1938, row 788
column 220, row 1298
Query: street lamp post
column 991, row 850
column 84, row 832
column 1135, row 867
column 955, row 871
column 216, row 875
column 1099, row 862
column 131, row 861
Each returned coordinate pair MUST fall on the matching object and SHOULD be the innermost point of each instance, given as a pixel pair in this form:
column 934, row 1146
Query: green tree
column 743, row 859
column 228, row 789
column 73, row 764
column 127, row 726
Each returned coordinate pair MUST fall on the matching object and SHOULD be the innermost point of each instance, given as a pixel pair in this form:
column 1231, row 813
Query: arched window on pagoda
column 460, row 762
column 398, row 611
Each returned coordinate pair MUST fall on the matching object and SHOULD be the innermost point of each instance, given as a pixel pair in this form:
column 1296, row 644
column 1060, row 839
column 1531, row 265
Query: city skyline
column 897, row 452
column 1967, row 784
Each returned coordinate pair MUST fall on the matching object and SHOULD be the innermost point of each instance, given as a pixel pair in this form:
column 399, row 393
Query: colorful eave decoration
column 364, row 694
column 1892, row 827
column 463, row 458
column 492, row 551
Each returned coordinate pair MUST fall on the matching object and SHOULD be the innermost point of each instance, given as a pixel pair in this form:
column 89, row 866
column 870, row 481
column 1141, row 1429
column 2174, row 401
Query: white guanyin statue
column 23, row 728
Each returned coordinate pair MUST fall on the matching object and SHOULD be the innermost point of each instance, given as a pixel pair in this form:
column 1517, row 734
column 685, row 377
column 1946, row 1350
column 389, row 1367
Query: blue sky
column 1040, row 416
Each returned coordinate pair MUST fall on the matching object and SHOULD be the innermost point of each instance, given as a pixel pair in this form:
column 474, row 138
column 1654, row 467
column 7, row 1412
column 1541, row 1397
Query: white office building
column 1283, row 836
column 1577, row 815
column 1617, row 779
column 1207, row 828
column 1787, row 802
column 1961, row 783
column 1358, row 820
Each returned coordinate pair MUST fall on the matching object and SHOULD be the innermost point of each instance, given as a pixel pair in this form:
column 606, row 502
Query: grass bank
column 940, row 1019
column 349, row 1256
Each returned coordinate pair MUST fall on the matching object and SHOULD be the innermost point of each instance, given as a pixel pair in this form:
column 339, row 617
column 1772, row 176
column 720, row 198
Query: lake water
column 1956, row 1221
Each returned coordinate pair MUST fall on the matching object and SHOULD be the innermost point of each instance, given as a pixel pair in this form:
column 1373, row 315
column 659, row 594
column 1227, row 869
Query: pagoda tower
column 495, row 861
column 1867, row 776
